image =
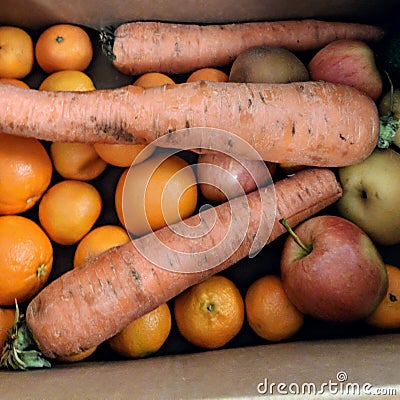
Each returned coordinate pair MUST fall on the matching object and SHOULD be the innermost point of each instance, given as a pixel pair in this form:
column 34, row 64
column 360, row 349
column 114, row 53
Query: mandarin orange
column 211, row 313
column 123, row 155
column 68, row 210
column 144, row 336
column 208, row 74
column 269, row 311
column 150, row 79
column 25, row 173
column 78, row 161
column 99, row 240
column 155, row 193
column 64, row 47
column 16, row 52
column 387, row 314
column 26, row 259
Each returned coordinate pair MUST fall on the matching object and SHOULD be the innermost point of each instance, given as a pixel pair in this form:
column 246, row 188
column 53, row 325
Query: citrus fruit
column 144, row 336
column 16, row 52
column 210, row 313
column 7, row 317
column 78, row 357
column 157, row 192
column 26, row 258
column 150, row 79
column 123, row 155
column 15, row 82
column 67, row 80
column 387, row 314
column 68, row 210
column 208, row 74
column 99, row 240
column 64, row 47
column 76, row 160
column 269, row 312
column 25, row 173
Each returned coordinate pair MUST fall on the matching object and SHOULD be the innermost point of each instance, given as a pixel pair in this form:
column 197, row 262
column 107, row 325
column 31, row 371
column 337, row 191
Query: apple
column 331, row 270
column 349, row 62
column 221, row 176
column 371, row 193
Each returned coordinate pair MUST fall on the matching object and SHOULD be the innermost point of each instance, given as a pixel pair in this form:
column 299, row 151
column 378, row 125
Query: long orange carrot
column 308, row 123
column 177, row 48
column 89, row 304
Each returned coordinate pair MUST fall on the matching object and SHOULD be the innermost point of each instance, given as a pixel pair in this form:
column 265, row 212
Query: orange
column 157, row 192
column 67, row 80
column 99, row 240
column 26, row 258
column 123, row 155
column 269, row 312
column 144, row 336
column 208, row 74
column 78, row 357
column 150, row 79
column 13, row 81
column 16, row 52
column 210, row 313
column 7, row 317
column 387, row 314
column 64, row 47
column 76, row 160
column 25, row 173
column 68, row 210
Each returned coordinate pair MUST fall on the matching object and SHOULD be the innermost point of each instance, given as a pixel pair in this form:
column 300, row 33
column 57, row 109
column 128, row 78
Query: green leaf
column 20, row 351
column 387, row 130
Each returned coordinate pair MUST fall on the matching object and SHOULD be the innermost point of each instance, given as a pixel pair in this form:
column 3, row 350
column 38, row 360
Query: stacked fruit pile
column 79, row 209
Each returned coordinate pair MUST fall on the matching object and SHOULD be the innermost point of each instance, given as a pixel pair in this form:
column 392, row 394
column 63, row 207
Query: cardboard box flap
column 96, row 14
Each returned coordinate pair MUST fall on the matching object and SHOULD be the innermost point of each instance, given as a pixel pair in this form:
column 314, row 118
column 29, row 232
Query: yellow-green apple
column 331, row 270
column 349, row 62
column 371, row 193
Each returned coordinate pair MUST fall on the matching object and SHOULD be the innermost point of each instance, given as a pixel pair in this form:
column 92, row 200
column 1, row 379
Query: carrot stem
column 388, row 124
column 20, row 351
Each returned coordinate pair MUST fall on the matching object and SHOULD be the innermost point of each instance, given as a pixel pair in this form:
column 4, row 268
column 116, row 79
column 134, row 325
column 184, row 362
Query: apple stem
column 306, row 248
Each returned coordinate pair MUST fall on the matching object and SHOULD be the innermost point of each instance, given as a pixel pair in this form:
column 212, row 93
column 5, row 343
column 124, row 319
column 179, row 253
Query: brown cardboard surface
column 252, row 372
column 99, row 13
column 233, row 373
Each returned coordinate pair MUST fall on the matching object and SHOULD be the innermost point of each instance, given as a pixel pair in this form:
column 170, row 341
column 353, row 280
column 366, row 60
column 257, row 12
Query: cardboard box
column 334, row 363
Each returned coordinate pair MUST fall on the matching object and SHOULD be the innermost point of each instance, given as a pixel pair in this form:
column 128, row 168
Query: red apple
column 331, row 270
column 350, row 62
column 223, row 177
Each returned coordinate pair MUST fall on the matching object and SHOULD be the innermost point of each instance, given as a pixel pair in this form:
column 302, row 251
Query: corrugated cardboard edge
column 252, row 372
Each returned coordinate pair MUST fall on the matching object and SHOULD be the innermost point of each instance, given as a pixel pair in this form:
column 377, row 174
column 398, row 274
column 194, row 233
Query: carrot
column 87, row 305
column 306, row 123
column 141, row 47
